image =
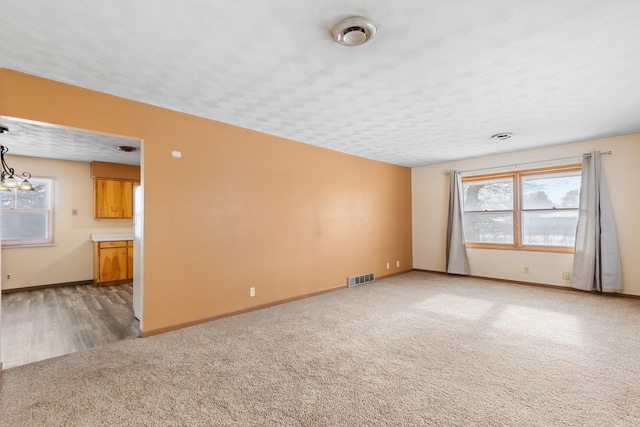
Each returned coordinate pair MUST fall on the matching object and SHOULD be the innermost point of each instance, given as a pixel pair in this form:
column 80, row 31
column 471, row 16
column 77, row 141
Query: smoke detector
column 353, row 31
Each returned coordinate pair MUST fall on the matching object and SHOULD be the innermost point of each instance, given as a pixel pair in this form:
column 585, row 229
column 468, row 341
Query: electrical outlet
column 252, row 292
column 566, row 275
column 397, row 263
column 387, row 266
column 526, row 270
column 7, row 277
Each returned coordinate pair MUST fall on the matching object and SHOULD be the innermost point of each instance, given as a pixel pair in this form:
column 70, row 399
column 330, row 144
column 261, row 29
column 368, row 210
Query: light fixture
column 502, row 136
column 353, row 31
column 9, row 182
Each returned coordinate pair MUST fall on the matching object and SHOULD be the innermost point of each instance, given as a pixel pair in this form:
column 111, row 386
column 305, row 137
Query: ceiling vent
column 502, row 136
column 353, row 31
column 127, row 148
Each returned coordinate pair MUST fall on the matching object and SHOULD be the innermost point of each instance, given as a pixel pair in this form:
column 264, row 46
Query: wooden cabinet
column 113, row 262
column 113, row 198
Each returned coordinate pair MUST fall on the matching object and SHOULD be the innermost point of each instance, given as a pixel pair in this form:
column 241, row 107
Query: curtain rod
column 528, row 163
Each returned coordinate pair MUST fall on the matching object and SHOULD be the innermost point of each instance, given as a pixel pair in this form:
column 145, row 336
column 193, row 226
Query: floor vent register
column 361, row 279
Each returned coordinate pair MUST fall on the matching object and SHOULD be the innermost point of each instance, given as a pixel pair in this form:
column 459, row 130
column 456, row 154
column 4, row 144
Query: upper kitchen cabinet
column 113, row 189
column 113, row 198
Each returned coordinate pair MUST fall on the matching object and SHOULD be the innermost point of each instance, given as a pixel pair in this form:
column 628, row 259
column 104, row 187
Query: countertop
column 110, row 237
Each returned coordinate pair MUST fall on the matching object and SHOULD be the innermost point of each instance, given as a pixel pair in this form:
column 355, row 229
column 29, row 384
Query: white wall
column 430, row 195
column 71, row 259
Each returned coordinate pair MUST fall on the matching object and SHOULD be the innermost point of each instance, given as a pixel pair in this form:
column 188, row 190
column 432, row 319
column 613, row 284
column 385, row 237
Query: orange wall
column 240, row 208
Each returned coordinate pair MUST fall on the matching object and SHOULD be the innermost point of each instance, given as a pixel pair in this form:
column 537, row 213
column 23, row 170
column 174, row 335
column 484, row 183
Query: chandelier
column 8, row 175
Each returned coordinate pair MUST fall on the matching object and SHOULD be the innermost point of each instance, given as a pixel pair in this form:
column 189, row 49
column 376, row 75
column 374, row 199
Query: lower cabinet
column 113, row 262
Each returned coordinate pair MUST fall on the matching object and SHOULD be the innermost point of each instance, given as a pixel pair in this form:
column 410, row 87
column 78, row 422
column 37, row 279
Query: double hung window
column 26, row 217
column 524, row 210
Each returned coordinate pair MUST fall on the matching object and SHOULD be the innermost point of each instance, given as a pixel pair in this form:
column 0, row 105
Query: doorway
column 56, row 280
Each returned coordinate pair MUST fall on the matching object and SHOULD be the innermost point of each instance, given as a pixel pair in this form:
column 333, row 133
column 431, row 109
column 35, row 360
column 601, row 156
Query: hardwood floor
column 45, row 323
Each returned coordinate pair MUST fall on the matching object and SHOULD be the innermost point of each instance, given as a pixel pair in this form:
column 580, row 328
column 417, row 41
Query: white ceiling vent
column 502, row 136
column 353, row 31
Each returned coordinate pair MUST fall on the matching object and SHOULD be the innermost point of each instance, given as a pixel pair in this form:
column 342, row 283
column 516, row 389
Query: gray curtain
column 596, row 262
column 457, row 260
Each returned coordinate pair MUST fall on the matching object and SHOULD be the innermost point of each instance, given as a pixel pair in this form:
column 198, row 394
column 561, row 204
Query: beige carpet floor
column 415, row 349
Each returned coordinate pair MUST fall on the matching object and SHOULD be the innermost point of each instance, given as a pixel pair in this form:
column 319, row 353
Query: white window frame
column 49, row 239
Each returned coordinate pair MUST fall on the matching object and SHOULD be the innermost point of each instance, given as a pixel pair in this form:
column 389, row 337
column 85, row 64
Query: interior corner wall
column 239, row 209
column 430, row 188
column 71, row 258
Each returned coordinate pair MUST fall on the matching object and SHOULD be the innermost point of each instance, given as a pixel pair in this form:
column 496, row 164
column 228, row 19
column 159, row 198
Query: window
column 26, row 217
column 528, row 210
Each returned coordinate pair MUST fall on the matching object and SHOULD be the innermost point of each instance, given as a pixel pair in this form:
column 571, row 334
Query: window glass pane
column 489, row 227
column 27, row 216
column 6, row 199
column 38, row 199
column 548, row 191
column 552, row 228
column 489, row 194
column 25, row 225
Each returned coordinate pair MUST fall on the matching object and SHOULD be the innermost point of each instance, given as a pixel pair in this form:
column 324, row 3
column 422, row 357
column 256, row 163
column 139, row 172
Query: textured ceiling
column 34, row 139
column 436, row 82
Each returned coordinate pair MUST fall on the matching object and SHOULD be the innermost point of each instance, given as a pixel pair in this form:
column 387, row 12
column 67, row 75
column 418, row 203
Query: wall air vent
column 360, row 280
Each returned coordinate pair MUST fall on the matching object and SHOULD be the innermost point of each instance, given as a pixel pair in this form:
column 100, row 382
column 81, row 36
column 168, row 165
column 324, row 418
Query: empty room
column 320, row 213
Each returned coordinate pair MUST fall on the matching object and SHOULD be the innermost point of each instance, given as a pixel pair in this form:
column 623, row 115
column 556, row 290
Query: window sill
column 31, row 245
